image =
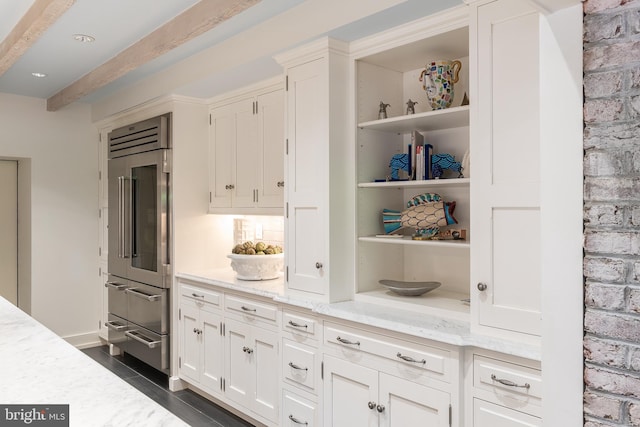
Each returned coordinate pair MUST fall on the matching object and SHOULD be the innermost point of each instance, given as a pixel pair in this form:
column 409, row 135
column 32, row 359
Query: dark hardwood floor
column 185, row 404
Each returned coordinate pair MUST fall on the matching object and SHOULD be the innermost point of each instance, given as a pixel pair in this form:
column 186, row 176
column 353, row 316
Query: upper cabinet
column 246, row 145
column 505, row 150
column 319, row 194
column 388, row 69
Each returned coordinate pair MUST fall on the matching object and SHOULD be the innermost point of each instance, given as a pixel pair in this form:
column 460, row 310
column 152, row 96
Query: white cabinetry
column 505, row 190
column 319, row 192
column 387, row 69
column 246, row 146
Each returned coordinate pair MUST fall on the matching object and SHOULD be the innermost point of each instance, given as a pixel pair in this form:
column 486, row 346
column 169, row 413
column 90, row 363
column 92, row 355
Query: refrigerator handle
column 123, row 218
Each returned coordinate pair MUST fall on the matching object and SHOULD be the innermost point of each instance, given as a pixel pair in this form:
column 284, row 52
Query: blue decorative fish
column 422, row 216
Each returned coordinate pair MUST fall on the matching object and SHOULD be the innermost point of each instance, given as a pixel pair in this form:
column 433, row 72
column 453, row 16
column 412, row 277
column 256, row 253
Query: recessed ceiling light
column 39, row 75
column 83, row 38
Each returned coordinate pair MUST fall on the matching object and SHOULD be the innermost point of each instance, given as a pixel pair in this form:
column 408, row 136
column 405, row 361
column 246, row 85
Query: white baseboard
column 82, row 341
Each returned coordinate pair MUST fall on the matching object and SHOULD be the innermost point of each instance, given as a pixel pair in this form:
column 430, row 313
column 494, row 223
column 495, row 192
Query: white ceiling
column 117, row 24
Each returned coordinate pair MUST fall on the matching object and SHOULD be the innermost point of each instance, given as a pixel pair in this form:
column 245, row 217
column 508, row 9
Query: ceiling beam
column 200, row 18
column 40, row 16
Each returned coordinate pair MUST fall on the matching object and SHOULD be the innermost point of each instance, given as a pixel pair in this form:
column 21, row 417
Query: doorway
column 9, row 230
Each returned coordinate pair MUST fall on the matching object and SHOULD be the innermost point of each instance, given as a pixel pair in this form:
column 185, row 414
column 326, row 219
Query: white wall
column 62, row 148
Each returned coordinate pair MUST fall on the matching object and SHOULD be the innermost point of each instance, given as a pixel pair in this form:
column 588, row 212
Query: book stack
column 419, row 157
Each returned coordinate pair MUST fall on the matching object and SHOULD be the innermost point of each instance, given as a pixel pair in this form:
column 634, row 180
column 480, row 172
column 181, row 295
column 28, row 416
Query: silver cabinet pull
column 280, row 184
column 297, row 421
column 196, row 295
column 229, row 187
column 509, row 383
column 142, row 295
column 248, row 309
column 410, row 359
column 482, row 287
column 347, row 342
column 371, row 405
column 297, row 325
column 318, row 265
column 380, row 408
column 142, row 339
column 294, row 366
column 247, row 350
column 116, row 286
column 115, row 326
column 197, row 331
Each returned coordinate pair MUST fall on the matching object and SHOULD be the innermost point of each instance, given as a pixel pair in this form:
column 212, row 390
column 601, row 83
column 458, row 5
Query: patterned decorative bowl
column 412, row 289
column 257, row 267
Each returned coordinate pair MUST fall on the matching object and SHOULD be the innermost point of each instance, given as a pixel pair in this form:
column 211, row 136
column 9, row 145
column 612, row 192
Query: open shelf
column 407, row 240
column 437, row 303
column 448, row 118
column 449, row 182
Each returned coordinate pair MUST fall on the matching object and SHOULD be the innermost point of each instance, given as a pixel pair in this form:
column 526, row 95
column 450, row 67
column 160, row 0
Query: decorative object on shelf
column 410, row 106
column 399, row 162
column 424, row 198
column 421, row 217
column 465, row 99
column 256, row 261
column 442, row 162
column 382, row 113
column 448, row 234
column 466, row 164
column 412, row 289
column 437, row 80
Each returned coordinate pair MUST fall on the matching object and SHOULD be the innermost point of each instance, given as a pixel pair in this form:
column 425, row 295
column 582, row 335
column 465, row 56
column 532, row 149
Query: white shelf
column 449, row 118
column 437, row 303
column 452, row 182
column 407, row 240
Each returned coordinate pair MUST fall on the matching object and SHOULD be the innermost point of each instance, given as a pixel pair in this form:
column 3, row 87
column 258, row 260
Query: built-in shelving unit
column 390, row 74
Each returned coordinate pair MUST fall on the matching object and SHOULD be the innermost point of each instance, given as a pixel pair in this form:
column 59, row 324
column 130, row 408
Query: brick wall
column 612, row 212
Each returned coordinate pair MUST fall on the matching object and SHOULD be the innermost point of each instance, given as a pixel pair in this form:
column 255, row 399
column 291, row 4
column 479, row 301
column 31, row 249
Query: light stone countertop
column 40, row 368
column 451, row 331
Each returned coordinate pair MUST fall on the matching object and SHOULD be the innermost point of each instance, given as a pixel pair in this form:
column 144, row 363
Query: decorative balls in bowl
column 256, row 261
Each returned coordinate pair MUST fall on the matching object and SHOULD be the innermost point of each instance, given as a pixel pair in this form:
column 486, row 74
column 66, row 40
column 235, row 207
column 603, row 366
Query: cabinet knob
column 247, row 350
column 380, row 408
column 280, row 184
column 195, row 331
column 318, row 265
column 229, row 187
column 482, row 286
column 371, row 405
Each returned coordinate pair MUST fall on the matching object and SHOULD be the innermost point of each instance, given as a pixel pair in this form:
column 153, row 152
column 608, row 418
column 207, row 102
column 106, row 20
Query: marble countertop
column 451, row 331
column 40, row 368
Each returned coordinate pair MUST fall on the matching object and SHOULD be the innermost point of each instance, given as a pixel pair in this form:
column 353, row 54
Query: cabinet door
column 271, row 149
column 246, row 154
column 505, row 257
column 190, row 348
column 488, row 414
column 222, row 138
column 350, row 394
column 238, row 362
column 265, row 362
column 306, row 177
column 405, row 402
column 212, row 343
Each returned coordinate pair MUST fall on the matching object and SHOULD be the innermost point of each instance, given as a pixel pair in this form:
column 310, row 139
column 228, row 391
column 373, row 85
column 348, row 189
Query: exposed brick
column 613, row 325
column 633, row 19
column 611, row 189
column 634, row 359
column 602, row 406
column 604, row 215
column 634, row 102
column 619, row 135
column 605, row 269
column 609, row 297
column 634, row 414
column 614, row 382
column 603, row 110
column 592, row 6
column 634, row 300
column 597, row 85
column 636, row 272
column 602, row 163
column 635, row 78
column 593, row 423
column 612, row 242
column 603, row 27
column 612, row 55
column 605, row 352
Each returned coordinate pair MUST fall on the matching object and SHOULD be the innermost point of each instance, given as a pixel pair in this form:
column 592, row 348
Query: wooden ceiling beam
column 201, row 17
column 40, row 16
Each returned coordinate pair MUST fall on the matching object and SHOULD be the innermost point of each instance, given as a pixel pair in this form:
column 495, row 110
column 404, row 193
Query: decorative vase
column 437, row 80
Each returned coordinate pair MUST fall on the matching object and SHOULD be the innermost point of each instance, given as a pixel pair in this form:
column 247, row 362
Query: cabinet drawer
column 303, row 327
column 299, row 364
column 513, row 385
column 251, row 308
column 200, row 294
column 408, row 356
column 298, row 411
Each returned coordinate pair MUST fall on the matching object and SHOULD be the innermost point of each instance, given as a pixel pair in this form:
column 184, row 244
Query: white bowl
column 257, row 267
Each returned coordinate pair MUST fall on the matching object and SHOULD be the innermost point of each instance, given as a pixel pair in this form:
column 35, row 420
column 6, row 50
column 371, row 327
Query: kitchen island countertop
column 40, row 368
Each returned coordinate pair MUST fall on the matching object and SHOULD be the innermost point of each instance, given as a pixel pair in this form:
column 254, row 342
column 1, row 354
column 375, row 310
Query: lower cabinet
column 489, row 414
column 252, row 361
column 358, row 395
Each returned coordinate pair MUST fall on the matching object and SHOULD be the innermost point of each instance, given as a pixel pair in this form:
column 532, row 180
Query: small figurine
column 422, row 216
column 410, row 109
column 440, row 162
column 382, row 114
column 398, row 162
